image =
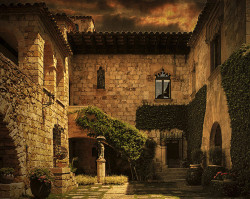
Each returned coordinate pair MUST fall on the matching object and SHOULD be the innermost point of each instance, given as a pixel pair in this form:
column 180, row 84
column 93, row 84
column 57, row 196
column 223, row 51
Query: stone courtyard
column 163, row 94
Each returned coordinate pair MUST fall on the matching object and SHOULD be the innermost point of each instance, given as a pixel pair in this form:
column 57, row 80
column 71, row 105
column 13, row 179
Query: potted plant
column 40, row 182
column 194, row 173
column 60, row 152
column 6, row 175
column 215, row 157
column 224, row 183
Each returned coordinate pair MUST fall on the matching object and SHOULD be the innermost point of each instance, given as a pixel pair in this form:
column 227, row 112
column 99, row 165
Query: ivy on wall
column 195, row 119
column 122, row 136
column 189, row 118
column 235, row 74
column 161, row 117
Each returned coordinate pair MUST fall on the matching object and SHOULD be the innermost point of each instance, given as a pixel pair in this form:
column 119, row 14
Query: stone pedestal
column 64, row 180
column 101, row 170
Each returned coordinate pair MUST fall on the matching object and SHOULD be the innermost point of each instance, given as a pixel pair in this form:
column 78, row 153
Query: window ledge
column 163, row 100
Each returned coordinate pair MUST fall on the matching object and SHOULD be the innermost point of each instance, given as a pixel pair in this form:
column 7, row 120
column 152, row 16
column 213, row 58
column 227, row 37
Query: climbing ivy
column 235, row 74
column 195, row 117
column 161, row 117
column 189, row 118
column 122, row 136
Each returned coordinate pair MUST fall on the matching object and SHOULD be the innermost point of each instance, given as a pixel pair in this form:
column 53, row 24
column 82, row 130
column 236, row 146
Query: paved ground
column 136, row 190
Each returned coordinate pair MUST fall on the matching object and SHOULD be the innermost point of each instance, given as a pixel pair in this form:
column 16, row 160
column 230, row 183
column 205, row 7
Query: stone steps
column 172, row 174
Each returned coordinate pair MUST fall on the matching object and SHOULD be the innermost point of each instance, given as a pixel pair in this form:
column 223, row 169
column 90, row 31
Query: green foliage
column 215, row 155
column 235, row 82
column 6, row 171
column 197, row 156
column 122, row 136
column 161, row 117
column 86, row 180
column 42, row 174
column 188, row 118
column 144, row 165
column 116, row 180
column 195, row 117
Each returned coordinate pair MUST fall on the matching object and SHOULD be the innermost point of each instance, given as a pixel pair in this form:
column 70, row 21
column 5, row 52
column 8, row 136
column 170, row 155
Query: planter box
column 225, row 188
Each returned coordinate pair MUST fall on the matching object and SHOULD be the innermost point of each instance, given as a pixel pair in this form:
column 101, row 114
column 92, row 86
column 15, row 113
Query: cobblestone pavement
column 137, row 190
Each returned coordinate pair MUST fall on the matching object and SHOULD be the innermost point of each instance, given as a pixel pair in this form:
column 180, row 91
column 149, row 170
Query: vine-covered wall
column 188, row 118
column 235, row 81
column 195, row 119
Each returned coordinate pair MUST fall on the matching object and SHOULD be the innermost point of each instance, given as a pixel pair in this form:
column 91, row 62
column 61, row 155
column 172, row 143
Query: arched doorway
column 8, row 153
column 215, row 136
column 215, row 145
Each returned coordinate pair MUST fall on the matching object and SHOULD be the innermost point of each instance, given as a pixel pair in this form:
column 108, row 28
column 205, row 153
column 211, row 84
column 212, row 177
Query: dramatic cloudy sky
column 131, row 15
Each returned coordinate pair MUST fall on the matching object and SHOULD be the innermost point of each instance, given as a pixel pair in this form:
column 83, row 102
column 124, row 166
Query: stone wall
column 129, row 82
column 233, row 35
column 32, row 105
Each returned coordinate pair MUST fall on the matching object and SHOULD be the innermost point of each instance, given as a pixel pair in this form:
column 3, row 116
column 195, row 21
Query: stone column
column 101, row 170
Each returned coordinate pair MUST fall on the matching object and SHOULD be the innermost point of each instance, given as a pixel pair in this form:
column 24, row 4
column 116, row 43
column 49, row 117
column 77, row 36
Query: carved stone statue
column 101, row 150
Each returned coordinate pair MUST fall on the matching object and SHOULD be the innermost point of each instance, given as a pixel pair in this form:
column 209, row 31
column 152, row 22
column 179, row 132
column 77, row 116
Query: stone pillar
column 163, row 154
column 101, row 170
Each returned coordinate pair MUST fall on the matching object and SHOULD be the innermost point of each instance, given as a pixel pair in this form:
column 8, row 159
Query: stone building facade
column 52, row 65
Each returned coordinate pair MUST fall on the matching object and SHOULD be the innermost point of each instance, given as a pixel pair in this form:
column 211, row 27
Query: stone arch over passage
column 9, row 45
column 8, row 152
column 215, row 136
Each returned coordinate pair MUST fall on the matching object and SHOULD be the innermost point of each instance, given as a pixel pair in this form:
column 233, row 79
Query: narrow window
column 215, row 52
column 162, row 85
column 77, row 27
column 100, row 79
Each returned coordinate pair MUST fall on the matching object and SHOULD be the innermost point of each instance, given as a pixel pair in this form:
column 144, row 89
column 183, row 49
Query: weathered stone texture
column 25, row 90
column 233, row 35
column 129, row 82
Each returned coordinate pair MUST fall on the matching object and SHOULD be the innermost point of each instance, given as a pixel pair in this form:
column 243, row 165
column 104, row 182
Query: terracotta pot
column 39, row 189
column 6, row 179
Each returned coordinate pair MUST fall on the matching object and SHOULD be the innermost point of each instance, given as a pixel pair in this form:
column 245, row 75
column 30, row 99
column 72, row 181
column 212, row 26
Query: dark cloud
column 146, row 6
column 118, row 23
column 130, row 15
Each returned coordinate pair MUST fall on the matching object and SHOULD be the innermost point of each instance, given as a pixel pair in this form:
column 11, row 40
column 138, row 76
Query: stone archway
column 8, row 150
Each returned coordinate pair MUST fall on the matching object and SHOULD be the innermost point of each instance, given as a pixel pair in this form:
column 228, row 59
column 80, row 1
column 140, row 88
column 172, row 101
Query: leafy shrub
column 6, row 171
column 117, row 180
column 144, row 165
column 209, row 173
column 86, row 180
column 197, row 156
column 125, row 138
column 215, row 155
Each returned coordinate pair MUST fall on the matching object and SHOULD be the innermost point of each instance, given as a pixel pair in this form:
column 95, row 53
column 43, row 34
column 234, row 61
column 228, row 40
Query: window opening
column 162, row 85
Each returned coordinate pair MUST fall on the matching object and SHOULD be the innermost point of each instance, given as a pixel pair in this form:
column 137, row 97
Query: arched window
column 100, row 78
column 77, row 27
column 215, row 137
column 162, row 85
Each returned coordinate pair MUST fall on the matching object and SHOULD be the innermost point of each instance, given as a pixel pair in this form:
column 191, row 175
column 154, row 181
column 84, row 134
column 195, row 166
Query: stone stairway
column 166, row 174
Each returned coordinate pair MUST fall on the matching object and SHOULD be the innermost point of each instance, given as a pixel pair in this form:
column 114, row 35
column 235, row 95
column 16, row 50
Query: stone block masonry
column 129, row 82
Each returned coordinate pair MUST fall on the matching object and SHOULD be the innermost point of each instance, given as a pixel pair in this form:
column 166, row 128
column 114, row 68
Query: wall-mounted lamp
column 51, row 97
